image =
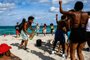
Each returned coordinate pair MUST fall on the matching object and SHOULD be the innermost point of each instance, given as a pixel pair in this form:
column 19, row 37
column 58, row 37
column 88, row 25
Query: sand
column 33, row 52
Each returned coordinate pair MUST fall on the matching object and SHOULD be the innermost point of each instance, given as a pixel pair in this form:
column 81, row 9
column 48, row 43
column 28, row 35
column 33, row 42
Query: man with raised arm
column 78, row 26
column 59, row 34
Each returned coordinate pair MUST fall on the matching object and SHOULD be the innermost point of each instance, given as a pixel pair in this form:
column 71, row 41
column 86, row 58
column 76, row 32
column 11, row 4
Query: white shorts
column 24, row 35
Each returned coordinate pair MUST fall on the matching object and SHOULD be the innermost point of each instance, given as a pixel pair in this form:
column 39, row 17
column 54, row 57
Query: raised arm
column 62, row 11
column 57, row 18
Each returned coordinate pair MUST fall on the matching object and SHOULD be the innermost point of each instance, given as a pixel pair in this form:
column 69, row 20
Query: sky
column 13, row 11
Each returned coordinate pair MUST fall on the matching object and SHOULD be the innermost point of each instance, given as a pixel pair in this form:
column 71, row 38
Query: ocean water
column 11, row 30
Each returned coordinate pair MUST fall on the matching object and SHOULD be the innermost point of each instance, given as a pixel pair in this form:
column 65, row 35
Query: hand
column 60, row 1
column 31, row 35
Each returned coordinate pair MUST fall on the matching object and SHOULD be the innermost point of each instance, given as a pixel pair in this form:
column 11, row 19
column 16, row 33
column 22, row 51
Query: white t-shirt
column 88, row 26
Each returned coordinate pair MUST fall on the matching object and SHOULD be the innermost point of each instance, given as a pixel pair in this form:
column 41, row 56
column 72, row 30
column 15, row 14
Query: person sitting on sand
column 78, row 26
column 5, row 53
column 24, row 33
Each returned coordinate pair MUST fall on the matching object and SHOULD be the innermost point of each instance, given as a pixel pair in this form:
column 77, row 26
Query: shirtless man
column 59, row 34
column 24, row 32
column 78, row 26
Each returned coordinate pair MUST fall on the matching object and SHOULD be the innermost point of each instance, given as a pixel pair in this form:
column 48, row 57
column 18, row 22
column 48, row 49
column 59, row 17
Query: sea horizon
column 10, row 30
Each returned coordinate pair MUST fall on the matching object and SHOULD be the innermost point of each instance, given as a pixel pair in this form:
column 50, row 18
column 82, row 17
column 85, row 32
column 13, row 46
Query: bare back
column 79, row 19
column 25, row 27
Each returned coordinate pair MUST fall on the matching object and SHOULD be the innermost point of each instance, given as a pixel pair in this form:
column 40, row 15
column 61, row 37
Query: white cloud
column 43, row 1
column 63, row 1
column 54, row 9
column 68, row 1
column 37, row 1
column 6, row 6
column 85, row 1
column 55, row 1
column 68, row 8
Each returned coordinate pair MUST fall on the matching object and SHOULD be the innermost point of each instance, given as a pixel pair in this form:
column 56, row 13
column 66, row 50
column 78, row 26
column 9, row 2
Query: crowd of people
column 76, row 21
column 37, row 29
column 73, row 31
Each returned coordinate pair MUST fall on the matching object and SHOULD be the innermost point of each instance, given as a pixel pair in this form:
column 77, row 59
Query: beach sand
column 33, row 52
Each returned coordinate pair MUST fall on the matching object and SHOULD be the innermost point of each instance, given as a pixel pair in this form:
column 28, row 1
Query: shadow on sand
column 86, row 49
column 18, row 45
column 15, row 44
column 41, row 55
column 46, row 46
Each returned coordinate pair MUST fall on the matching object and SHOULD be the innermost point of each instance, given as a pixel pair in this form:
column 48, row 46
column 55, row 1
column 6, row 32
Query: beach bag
column 38, row 42
column 20, row 27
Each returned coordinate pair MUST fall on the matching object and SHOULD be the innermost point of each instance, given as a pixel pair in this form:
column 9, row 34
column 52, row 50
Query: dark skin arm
column 85, row 18
column 64, row 29
column 25, row 28
column 62, row 11
column 33, row 30
column 57, row 18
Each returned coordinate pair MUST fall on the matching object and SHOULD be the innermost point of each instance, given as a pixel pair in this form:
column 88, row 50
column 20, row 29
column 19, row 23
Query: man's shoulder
column 84, row 13
column 25, row 23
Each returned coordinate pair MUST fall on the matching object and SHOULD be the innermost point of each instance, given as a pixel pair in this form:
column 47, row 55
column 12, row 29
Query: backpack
column 38, row 42
column 21, row 27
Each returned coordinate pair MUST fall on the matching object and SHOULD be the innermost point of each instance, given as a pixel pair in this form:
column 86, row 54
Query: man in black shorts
column 78, row 29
